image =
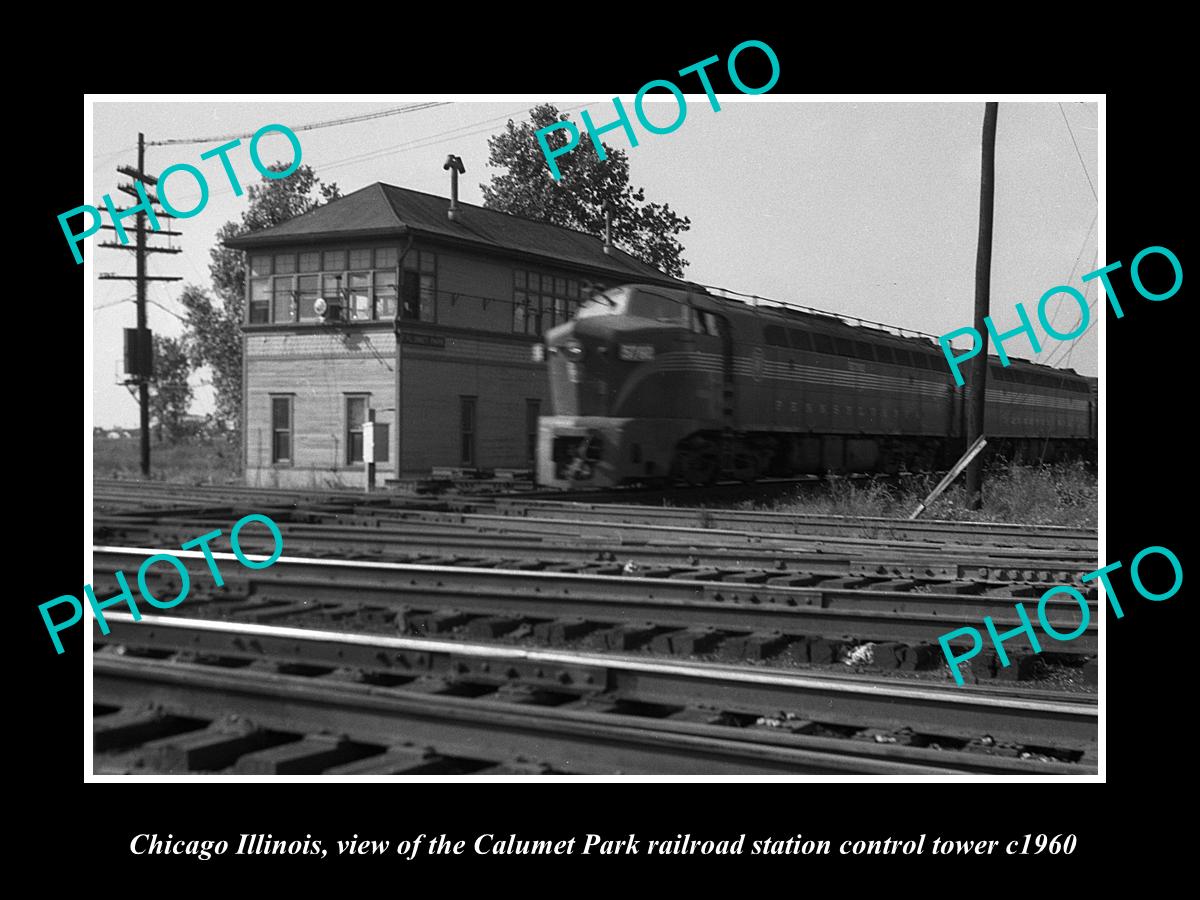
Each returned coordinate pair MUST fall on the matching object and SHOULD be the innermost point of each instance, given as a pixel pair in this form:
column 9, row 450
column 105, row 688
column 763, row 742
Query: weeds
column 1061, row 494
column 198, row 461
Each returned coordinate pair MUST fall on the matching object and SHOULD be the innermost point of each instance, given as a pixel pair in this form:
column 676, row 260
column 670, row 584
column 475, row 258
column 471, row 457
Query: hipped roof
column 384, row 211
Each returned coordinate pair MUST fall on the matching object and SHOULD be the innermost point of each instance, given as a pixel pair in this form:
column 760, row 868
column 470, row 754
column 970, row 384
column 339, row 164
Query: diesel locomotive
column 655, row 384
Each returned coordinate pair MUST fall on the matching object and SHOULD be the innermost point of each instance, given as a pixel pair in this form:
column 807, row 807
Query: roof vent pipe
column 456, row 167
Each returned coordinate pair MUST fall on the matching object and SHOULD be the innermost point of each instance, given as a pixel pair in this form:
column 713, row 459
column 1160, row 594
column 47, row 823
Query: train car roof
column 835, row 324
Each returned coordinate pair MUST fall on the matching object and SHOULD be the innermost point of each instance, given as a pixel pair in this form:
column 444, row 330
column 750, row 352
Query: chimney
column 456, row 167
column 607, row 228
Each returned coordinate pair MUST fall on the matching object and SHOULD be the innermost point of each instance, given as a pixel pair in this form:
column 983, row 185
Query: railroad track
column 805, row 625
column 540, row 514
column 177, row 694
column 606, row 550
column 994, row 534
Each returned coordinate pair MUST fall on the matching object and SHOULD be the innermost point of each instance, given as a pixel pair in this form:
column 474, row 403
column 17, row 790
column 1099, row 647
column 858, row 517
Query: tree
column 214, row 328
column 170, row 392
column 577, row 200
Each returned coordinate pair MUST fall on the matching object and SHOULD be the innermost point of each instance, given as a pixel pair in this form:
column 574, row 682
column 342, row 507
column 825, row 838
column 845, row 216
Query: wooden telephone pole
column 140, row 362
column 977, row 381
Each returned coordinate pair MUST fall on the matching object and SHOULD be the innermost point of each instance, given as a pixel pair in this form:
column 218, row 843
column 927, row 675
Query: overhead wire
column 420, row 143
column 1075, row 144
column 1074, row 265
column 311, row 126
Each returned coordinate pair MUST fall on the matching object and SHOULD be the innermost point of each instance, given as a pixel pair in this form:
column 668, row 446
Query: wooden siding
column 470, row 350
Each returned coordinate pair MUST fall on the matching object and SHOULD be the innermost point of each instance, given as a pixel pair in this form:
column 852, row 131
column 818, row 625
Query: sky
column 864, row 209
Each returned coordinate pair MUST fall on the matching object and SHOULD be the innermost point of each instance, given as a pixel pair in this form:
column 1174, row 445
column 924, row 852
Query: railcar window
column 822, row 342
column 800, row 339
column 843, row 346
column 657, row 307
column 713, row 323
column 702, row 322
column 775, row 336
column 609, row 303
column 884, row 354
column 863, row 351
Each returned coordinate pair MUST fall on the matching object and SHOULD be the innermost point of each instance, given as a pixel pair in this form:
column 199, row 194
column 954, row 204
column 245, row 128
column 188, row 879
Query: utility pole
column 140, row 361
column 977, row 383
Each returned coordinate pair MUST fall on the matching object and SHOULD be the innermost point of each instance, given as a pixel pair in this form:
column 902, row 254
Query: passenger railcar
column 650, row 383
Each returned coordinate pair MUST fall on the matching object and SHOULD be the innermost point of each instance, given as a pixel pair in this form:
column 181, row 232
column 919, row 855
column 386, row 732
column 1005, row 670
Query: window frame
column 281, row 288
column 262, row 306
column 351, row 429
column 467, row 437
column 414, row 270
column 290, row 430
column 368, row 276
column 289, row 291
column 544, row 300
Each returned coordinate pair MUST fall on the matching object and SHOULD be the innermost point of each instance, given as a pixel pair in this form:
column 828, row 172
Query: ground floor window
column 468, row 430
column 281, row 428
column 356, row 414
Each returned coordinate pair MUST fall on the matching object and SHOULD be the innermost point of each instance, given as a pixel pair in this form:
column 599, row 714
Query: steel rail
column 773, row 558
column 517, row 505
column 945, row 711
column 834, row 614
column 765, row 520
column 585, row 523
column 578, row 743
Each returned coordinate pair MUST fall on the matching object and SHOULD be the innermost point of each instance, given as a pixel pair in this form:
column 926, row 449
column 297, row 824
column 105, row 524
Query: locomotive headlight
column 635, row 352
column 573, row 350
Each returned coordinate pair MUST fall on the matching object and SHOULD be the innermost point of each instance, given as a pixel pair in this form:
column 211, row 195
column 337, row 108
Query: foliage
column 214, row 339
column 170, row 393
column 1059, row 494
column 647, row 231
column 202, row 460
column 214, row 327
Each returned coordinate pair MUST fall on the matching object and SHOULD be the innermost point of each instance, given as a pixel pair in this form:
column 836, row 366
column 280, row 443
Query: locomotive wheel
column 698, row 469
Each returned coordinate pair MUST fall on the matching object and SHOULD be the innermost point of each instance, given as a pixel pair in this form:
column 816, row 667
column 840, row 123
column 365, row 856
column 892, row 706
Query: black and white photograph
column 678, row 435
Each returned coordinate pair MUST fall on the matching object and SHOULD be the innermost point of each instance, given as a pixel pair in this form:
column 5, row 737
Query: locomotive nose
column 581, row 338
column 578, row 356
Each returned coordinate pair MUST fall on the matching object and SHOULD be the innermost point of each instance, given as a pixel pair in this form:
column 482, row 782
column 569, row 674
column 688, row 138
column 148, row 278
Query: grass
column 195, row 462
column 1061, row 494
